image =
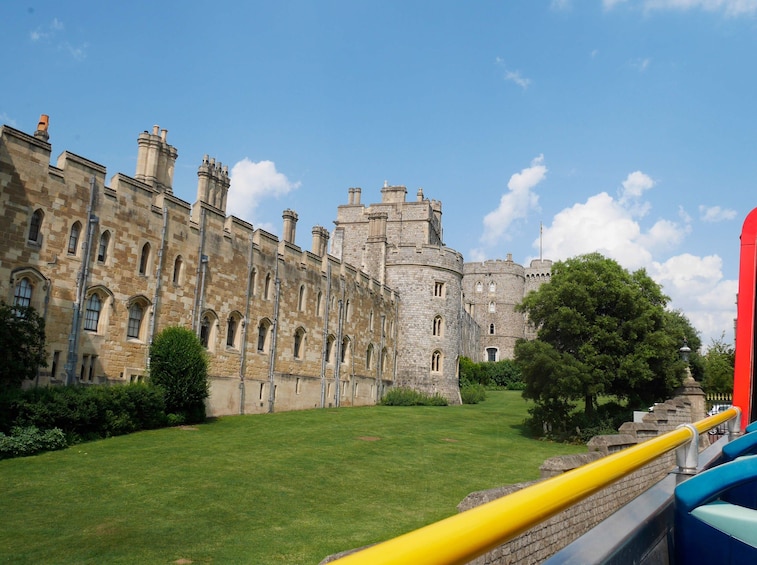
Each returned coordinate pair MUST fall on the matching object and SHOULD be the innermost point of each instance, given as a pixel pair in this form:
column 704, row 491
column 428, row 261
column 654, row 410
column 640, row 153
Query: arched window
column 370, row 321
column 438, row 326
column 491, row 329
column 231, row 331
column 73, row 238
column 205, row 331
column 345, row 353
column 22, row 294
column 492, row 287
column 35, row 226
column 136, row 314
column 384, row 360
column 267, row 287
column 301, row 299
column 319, row 304
column 492, row 307
column 178, row 268
column 299, row 342
column 102, row 247
column 436, row 362
column 92, row 313
column 253, row 281
column 263, row 335
column 491, row 354
column 144, row 259
column 369, row 357
column 479, row 287
column 330, row 341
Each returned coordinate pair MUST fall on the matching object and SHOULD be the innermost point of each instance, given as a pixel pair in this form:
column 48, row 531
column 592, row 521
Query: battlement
column 436, row 256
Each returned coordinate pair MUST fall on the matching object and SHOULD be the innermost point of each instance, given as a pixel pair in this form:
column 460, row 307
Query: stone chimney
column 156, row 160
column 41, row 133
column 356, row 199
column 290, row 225
column 213, row 183
column 320, row 240
column 392, row 194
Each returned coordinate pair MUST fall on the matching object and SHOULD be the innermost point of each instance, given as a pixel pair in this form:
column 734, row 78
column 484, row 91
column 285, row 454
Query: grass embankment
column 277, row 488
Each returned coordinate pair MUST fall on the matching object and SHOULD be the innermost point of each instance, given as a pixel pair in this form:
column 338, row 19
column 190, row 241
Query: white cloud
column 715, row 213
column 515, row 204
column 641, row 65
column 612, row 227
column 561, row 5
column 253, row 182
column 513, row 76
column 731, row 8
column 696, row 287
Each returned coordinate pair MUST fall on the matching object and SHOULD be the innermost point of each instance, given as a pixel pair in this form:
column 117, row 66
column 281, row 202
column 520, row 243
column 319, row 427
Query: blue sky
column 624, row 126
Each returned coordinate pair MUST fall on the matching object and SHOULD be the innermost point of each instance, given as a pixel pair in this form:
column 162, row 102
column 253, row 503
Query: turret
column 290, row 225
column 213, row 183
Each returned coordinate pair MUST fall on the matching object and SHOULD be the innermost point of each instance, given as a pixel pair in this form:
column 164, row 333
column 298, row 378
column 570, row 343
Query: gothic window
column 35, row 226
column 491, row 354
column 492, row 287
column 491, row 329
column 345, row 353
column 205, row 331
column 102, row 247
column 144, row 259
column 253, row 281
column 492, row 307
column 299, row 340
column 479, row 287
column 369, row 357
column 348, row 311
column 73, row 238
column 383, row 361
column 438, row 326
column 178, row 267
column 330, row 341
column 136, row 314
column 22, row 294
column 436, row 362
column 263, row 335
column 231, row 331
column 301, row 299
column 439, row 289
column 370, row 321
column 92, row 313
column 267, row 287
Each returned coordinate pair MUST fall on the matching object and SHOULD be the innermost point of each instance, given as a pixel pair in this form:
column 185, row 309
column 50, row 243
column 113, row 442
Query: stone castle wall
column 390, row 304
column 185, row 265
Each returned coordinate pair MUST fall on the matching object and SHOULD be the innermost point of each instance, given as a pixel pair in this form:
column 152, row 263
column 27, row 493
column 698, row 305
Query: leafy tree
column 719, row 362
column 179, row 365
column 22, row 345
column 601, row 331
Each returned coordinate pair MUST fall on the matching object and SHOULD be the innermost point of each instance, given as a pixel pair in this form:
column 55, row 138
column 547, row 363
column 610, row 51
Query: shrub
column 179, row 365
column 473, row 394
column 402, row 396
column 84, row 413
column 29, row 441
column 22, row 344
column 503, row 374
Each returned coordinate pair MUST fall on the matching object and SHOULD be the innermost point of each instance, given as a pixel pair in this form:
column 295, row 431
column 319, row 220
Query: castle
column 378, row 302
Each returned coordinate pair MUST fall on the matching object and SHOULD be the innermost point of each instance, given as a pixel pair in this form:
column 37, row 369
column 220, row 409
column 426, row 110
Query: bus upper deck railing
column 463, row 537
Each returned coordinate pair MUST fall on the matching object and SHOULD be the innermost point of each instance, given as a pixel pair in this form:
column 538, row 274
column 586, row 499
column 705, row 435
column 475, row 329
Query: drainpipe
column 81, row 288
column 274, row 330
column 203, row 270
column 379, row 376
column 324, row 349
column 394, row 337
column 197, row 300
column 158, row 275
column 338, row 353
column 245, row 324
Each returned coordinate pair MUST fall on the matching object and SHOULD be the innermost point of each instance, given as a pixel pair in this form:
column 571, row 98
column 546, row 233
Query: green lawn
column 276, row 488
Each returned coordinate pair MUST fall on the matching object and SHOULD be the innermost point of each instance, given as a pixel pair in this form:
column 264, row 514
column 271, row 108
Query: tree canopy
column 22, row 344
column 718, row 363
column 601, row 331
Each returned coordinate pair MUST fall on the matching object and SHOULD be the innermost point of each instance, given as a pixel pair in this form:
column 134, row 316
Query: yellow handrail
column 463, row 537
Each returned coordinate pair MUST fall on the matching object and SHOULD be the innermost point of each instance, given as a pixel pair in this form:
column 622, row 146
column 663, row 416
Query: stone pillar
column 320, row 240
column 691, row 391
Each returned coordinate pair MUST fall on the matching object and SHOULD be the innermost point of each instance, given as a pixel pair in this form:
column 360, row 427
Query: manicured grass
column 277, row 488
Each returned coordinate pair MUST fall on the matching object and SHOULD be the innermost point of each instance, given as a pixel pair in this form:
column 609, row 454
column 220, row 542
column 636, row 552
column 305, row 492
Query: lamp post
column 684, row 351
